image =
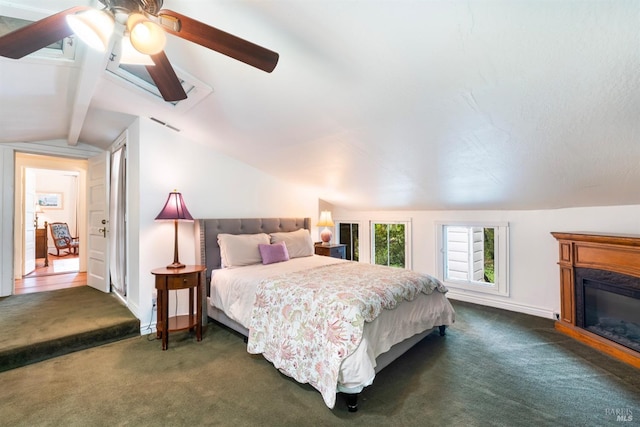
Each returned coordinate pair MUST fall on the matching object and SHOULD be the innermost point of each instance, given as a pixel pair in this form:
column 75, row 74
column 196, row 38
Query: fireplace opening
column 608, row 304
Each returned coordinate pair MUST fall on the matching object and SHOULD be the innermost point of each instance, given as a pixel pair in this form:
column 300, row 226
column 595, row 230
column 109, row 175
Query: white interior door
column 29, row 228
column 98, row 222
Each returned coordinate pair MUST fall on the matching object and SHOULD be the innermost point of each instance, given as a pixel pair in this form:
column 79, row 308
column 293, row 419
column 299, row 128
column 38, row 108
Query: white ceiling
column 387, row 104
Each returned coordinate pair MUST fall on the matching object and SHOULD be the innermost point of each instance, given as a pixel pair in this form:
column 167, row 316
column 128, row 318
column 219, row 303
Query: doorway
column 48, row 190
column 56, row 201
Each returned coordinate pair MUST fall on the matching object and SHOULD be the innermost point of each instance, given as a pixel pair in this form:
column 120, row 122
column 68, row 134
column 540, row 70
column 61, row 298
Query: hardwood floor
column 61, row 273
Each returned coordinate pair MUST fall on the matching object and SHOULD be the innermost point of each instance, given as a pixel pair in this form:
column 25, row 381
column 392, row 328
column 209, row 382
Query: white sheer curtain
column 117, row 226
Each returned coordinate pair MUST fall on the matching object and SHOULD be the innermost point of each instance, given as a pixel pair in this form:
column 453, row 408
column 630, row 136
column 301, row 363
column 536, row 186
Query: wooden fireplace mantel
column 616, row 253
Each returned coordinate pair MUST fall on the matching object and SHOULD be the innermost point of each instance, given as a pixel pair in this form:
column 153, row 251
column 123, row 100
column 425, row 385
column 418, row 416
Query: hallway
column 61, row 273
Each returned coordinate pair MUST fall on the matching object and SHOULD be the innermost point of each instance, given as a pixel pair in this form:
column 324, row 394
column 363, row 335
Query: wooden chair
column 62, row 238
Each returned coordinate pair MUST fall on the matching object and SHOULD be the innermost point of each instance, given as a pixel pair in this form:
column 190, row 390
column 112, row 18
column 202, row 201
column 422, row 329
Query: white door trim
column 55, row 148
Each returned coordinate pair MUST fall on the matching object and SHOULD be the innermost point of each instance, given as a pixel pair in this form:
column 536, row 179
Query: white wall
column 213, row 186
column 534, row 275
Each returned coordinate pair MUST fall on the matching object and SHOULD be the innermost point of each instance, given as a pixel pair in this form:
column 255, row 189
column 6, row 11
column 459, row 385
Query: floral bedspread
column 306, row 323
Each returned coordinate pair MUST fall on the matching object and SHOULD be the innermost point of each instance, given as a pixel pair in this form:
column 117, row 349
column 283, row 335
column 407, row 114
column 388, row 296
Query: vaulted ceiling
column 409, row 104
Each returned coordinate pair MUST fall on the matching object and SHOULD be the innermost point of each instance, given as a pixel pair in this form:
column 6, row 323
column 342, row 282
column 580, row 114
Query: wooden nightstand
column 41, row 244
column 334, row 251
column 170, row 279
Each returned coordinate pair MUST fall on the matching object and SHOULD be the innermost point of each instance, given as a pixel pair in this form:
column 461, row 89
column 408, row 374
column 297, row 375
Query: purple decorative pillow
column 276, row 252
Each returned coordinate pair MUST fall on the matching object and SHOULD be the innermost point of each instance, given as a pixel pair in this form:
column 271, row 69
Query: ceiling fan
column 146, row 25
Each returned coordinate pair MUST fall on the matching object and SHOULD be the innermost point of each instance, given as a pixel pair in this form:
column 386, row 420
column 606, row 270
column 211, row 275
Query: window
column 474, row 256
column 62, row 49
column 348, row 235
column 390, row 244
column 138, row 76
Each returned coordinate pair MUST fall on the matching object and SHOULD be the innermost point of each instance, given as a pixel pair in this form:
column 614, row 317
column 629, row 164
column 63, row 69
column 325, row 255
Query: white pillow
column 237, row 250
column 298, row 242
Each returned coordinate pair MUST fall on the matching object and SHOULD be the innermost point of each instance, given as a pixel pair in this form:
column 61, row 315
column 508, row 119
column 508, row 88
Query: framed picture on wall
column 49, row 200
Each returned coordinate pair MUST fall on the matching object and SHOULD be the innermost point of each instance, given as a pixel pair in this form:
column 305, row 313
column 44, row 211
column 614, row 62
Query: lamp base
column 176, row 265
column 325, row 236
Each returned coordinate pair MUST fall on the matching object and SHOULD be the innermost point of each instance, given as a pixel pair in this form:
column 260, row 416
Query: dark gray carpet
column 38, row 326
column 494, row 368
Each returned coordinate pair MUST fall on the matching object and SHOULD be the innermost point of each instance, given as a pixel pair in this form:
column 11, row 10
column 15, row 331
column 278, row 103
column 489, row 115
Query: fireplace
column 608, row 304
column 600, row 292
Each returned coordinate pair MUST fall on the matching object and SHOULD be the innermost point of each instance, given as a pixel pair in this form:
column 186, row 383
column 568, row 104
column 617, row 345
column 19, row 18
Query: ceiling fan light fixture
column 94, row 27
column 146, row 36
column 130, row 55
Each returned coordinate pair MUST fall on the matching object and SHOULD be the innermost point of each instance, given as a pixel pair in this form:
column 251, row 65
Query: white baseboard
column 149, row 328
column 502, row 304
column 145, row 328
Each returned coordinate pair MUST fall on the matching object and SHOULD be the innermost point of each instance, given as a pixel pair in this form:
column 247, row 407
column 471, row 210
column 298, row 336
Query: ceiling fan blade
column 37, row 35
column 218, row 40
column 166, row 79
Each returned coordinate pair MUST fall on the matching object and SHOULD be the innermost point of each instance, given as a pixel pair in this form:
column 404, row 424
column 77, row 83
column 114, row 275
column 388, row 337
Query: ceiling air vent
column 164, row 124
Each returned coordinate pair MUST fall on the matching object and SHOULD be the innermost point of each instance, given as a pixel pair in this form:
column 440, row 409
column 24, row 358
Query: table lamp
column 325, row 221
column 176, row 210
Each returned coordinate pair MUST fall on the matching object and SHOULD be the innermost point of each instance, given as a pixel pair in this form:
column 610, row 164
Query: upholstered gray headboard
column 207, row 230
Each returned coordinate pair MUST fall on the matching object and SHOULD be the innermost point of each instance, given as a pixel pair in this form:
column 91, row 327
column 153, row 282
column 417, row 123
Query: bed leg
column 443, row 329
column 352, row 402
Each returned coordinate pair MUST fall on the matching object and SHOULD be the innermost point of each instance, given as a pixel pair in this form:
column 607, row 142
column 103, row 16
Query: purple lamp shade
column 175, row 208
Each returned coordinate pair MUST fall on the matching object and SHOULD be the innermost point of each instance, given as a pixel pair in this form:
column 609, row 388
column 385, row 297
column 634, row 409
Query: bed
column 263, row 281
